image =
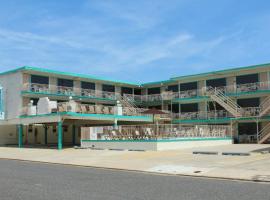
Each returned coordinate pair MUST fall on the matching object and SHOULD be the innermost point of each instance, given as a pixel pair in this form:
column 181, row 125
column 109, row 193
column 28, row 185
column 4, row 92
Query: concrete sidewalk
column 253, row 167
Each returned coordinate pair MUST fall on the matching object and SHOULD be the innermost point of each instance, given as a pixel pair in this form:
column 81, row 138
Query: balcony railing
column 162, row 132
column 75, row 107
column 250, row 87
column 217, row 114
column 69, row 91
column 168, row 95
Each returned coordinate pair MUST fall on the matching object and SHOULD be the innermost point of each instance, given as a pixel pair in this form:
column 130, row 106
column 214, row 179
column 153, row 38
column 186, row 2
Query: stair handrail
column 263, row 132
column 215, row 91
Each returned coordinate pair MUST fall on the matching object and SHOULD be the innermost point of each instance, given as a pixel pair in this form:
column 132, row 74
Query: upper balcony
column 67, row 91
column 216, row 114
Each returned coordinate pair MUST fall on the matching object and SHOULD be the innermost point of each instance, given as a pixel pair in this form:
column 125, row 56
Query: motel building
column 46, row 108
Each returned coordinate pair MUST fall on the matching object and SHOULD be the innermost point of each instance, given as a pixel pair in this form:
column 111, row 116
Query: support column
column 60, row 135
column 73, row 135
column 45, row 134
column 20, row 136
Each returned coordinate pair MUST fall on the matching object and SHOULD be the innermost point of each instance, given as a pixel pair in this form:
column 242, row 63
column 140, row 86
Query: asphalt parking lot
column 34, row 181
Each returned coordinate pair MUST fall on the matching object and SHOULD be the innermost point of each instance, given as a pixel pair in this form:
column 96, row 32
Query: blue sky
column 138, row 41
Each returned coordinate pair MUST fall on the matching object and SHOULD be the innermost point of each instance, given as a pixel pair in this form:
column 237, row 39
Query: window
column 173, row 88
column 40, row 79
column 108, row 88
column 88, row 85
column 126, row 90
column 175, row 108
column 248, row 128
column 155, row 90
column 214, row 106
column 216, row 82
column 250, row 78
column 188, row 86
column 190, row 107
column 137, row 91
column 65, row 82
column 251, row 102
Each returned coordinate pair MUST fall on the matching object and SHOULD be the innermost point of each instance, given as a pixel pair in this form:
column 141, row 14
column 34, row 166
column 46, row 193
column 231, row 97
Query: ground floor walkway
column 184, row 162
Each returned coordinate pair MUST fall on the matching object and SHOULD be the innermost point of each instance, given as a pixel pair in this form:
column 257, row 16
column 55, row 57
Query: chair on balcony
column 61, row 108
column 99, row 109
column 106, row 110
column 83, row 109
column 91, row 109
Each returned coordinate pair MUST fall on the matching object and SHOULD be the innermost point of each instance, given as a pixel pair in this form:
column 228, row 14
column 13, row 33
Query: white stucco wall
column 12, row 85
column 8, row 134
column 152, row 146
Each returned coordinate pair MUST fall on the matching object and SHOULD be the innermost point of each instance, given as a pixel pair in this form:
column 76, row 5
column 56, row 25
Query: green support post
column 20, row 138
column 73, row 135
column 60, row 135
column 46, row 135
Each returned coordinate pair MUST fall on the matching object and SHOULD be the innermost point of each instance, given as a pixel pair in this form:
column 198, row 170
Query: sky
column 138, row 41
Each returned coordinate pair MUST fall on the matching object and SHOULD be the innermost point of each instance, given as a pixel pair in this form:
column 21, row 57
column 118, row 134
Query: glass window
column 190, row 107
column 155, row 90
column 214, row 106
column 216, row 82
column 173, row 88
column 108, row 88
column 65, row 82
column 175, row 107
column 188, row 86
column 137, row 91
column 39, row 79
column 126, row 90
column 88, row 85
column 250, row 78
column 251, row 102
column 248, row 128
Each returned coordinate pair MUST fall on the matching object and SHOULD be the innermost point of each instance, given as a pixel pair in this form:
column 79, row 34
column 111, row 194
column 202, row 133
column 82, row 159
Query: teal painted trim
column 148, row 118
column 157, row 82
column 143, row 118
column 60, row 135
column 20, row 136
column 36, row 69
column 12, row 71
column 237, row 94
column 63, row 95
column 220, row 120
column 193, row 99
column 41, row 115
column 163, row 140
column 225, row 71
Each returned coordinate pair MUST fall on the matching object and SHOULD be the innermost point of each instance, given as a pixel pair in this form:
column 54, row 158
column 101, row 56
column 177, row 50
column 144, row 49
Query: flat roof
column 171, row 80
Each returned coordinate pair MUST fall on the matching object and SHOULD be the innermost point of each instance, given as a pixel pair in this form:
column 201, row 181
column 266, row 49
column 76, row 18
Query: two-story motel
column 46, row 107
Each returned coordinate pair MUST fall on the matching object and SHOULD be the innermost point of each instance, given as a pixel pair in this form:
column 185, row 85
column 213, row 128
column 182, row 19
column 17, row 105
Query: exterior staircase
column 265, row 107
column 264, row 134
column 225, row 101
column 129, row 105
